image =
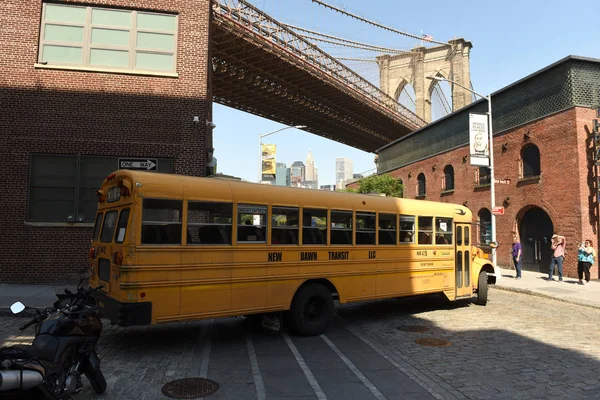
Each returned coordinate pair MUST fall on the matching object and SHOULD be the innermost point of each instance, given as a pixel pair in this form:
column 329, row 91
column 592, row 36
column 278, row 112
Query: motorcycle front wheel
column 97, row 380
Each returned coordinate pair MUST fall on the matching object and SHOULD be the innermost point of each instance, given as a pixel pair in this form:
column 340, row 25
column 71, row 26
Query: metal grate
column 190, row 388
column 568, row 84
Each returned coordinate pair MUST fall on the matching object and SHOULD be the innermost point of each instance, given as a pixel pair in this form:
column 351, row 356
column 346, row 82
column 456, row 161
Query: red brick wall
column 564, row 191
column 90, row 113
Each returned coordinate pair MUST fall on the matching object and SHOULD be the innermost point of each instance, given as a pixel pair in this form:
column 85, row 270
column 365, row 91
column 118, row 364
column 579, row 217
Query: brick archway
column 535, row 227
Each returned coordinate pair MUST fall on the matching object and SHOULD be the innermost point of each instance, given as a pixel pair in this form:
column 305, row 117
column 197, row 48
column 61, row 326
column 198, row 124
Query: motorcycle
column 64, row 349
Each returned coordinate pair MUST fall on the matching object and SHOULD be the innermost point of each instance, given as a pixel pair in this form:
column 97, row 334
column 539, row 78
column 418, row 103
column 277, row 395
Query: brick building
column 83, row 84
column 543, row 156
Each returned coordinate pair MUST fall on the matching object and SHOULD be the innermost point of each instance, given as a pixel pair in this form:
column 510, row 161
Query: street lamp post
column 260, row 136
column 492, row 179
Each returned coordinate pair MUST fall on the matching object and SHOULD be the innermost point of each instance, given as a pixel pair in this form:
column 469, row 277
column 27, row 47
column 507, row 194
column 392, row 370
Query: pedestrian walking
column 516, row 251
column 558, row 256
column 585, row 259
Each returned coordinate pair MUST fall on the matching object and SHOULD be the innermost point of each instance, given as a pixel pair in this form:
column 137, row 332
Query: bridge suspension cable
column 387, row 28
column 365, row 46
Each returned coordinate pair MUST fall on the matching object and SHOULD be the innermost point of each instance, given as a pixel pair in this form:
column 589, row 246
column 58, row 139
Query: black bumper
column 123, row 314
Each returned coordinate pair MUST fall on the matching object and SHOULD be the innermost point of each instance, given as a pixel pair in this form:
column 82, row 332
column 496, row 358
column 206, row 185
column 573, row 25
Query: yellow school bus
column 174, row 248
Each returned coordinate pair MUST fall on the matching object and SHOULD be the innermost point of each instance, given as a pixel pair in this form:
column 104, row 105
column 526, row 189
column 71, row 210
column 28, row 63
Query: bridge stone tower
column 449, row 61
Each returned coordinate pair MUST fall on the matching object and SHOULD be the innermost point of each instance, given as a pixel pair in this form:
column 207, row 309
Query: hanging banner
column 479, row 140
column 268, row 162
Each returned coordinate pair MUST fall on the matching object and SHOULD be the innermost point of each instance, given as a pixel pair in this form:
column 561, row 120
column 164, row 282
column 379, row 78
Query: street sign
column 502, row 181
column 140, row 164
column 498, row 210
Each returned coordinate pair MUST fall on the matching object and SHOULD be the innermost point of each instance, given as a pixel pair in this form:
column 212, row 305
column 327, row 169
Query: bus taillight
column 92, row 253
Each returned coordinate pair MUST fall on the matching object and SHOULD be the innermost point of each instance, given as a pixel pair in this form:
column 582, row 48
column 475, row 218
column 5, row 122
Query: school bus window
column 407, row 229
column 314, row 226
column 108, row 230
column 252, row 223
column 161, row 221
column 122, row 226
column 341, row 227
column 466, row 235
column 459, row 236
column 443, row 230
column 387, row 228
column 97, row 226
column 365, row 228
column 284, row 225
column 209, row 223
column 425, row 230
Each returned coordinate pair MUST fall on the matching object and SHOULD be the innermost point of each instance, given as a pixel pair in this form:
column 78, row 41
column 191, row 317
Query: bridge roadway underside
column 260, row 78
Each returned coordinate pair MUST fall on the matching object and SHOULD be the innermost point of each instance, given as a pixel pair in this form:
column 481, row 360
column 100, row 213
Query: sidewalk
column 534, row 283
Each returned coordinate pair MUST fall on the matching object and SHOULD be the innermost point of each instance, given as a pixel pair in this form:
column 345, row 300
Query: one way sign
column 140, row 164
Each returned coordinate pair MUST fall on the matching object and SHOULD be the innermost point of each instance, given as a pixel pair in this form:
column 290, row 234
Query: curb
column 533, row 293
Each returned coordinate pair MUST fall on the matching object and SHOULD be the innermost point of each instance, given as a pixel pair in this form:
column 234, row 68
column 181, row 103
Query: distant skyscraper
column 310, row 167
column 281, row 175
column 317, row 176
column 343, row 169
column 297, row 171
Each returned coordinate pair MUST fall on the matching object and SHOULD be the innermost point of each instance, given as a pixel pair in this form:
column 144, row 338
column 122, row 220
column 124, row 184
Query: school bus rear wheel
column 312, row 310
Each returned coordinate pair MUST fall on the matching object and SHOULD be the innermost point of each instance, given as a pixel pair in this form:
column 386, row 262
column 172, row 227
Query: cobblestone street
column 518, row 346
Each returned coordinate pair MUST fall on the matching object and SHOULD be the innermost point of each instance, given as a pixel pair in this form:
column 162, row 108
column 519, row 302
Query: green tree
column 384, row 183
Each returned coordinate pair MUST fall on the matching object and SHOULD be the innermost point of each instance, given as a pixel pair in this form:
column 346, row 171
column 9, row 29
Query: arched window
column 448, row 178
column 402, row 183
column 421, row 190
column 530, row 160
column 483, row 176
column 485, row 226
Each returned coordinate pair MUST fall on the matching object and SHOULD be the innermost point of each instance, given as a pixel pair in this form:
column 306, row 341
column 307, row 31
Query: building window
column 421, row 185
column 448, row 183
column 530, row 160
column 483, row 176
column 95, row 37
column 209, row 223
column 62, row 188
column 485, row 226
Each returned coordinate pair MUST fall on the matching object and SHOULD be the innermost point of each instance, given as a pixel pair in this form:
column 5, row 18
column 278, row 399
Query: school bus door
column 462, row 263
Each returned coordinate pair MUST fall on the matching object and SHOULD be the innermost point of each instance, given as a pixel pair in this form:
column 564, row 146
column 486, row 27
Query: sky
column 511, row 39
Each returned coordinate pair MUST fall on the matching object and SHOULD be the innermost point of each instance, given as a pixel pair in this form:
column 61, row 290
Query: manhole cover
column 414, row 328
column 190, row 388
column 433, row 342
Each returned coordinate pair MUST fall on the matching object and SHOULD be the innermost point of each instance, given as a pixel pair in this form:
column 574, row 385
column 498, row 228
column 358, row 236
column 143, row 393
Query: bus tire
column 312, row 310
column 482, row 289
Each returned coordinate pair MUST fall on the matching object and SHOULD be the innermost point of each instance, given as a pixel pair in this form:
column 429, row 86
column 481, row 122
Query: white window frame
column 87, row 46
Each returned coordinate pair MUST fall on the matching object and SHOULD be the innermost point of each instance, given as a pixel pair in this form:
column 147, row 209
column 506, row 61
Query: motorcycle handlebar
column 82, row 294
